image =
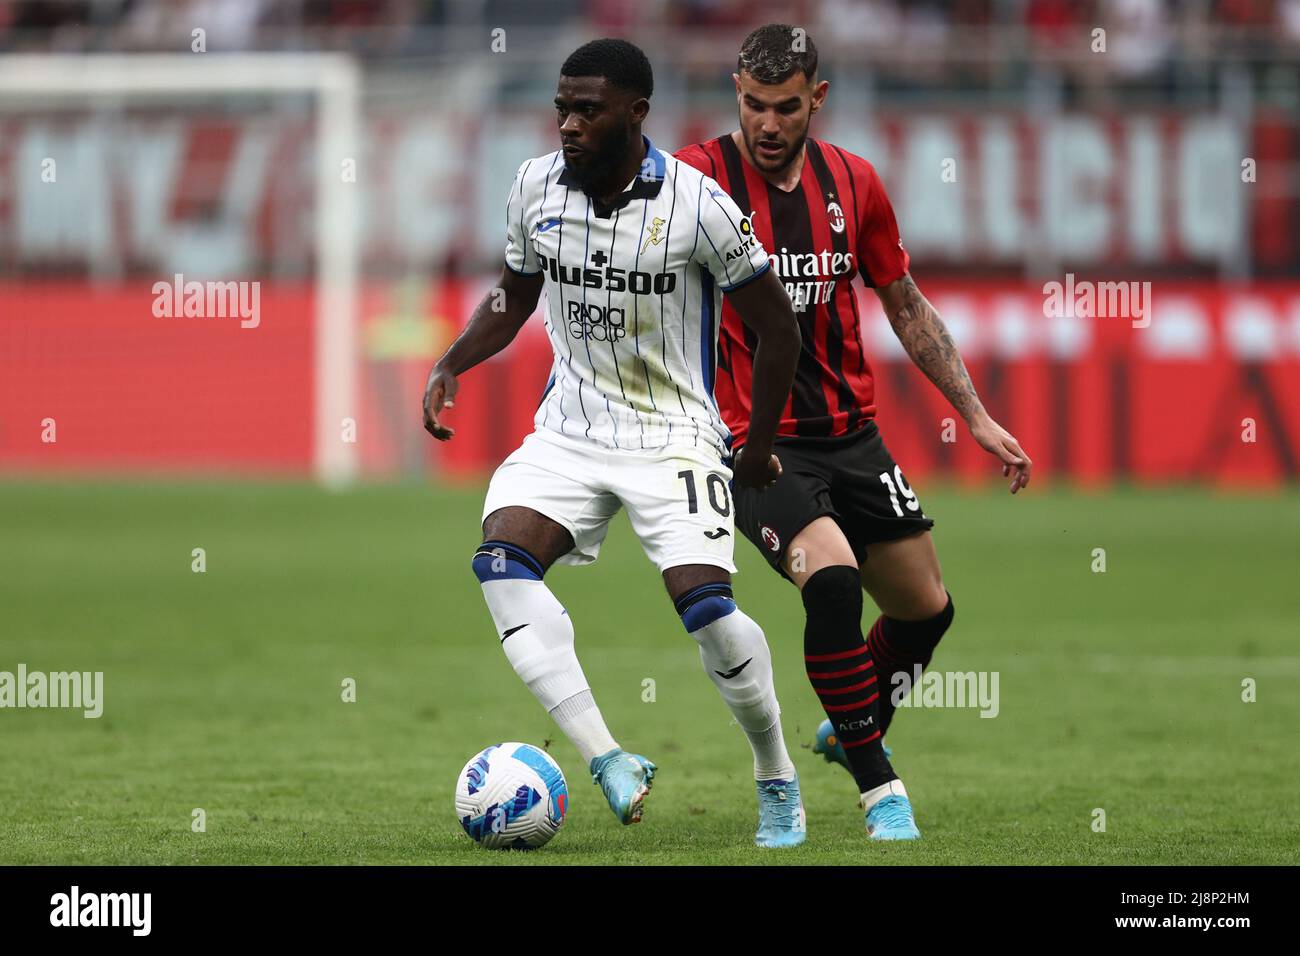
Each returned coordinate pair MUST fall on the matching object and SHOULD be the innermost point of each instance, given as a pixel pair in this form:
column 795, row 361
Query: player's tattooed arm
column 927, row 340
column 764, row 306
column 495, row 323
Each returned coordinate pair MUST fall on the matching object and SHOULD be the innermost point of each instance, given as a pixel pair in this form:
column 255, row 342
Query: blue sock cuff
column 704, row 612
column 702, row 605
column 500, row 560
column 699, row 592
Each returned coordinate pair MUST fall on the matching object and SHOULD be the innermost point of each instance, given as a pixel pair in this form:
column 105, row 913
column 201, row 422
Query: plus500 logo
column 610, row 278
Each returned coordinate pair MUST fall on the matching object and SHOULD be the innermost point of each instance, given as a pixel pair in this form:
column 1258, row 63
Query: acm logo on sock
column 848, row 726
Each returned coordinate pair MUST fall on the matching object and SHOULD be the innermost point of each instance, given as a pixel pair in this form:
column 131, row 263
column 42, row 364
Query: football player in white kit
column 635, row 250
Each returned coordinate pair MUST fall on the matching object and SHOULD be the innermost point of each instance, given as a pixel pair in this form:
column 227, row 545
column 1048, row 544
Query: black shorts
column 850, row 477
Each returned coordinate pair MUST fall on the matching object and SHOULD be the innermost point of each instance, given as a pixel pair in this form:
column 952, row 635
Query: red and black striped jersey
column 835, row 224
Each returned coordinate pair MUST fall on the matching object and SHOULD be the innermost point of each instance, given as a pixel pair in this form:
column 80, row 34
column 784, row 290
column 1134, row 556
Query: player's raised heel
column 625, row 780
column 891, row 819
column 781, row 819
column 828, row 745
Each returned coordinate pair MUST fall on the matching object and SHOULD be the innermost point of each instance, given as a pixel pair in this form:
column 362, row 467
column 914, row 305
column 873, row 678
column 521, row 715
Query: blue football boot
column 781, row 819
column 828, row 745
column 625, row 780
column 891, row 819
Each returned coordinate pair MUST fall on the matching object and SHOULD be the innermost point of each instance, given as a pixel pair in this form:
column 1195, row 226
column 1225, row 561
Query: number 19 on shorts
column 897, row 484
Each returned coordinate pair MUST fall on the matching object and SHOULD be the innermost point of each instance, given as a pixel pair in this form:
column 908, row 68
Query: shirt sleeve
column 520, row 255
column 881, row 255
column 693, row 155
column 726, row 244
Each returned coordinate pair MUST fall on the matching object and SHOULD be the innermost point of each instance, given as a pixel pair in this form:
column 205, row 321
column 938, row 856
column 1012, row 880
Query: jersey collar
column 645, row 185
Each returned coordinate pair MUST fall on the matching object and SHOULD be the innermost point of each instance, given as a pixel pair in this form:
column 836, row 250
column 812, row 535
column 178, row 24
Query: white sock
column 771, row 760
column 733, row 644
column 580, row 719
column 537, row 636
column 869, row 799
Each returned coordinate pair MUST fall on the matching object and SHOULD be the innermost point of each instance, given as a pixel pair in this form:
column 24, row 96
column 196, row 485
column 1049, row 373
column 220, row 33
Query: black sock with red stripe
column 898, row 647
column 842, row 672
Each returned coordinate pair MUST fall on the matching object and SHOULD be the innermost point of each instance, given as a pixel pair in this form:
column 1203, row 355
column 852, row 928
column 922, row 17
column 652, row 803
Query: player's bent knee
column 936, row 606
column 835, row 589
column 945, row 616
column 820, row 545
column 932, row 621
column 702, row 605
column 501, row 561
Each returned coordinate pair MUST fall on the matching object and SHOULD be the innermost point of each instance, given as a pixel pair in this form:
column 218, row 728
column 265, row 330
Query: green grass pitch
column 223, row 690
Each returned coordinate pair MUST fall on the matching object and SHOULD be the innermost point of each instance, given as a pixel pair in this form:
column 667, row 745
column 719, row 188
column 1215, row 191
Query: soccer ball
column 511, row 796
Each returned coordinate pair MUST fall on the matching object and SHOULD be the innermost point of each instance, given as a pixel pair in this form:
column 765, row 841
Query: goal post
column 335, row 82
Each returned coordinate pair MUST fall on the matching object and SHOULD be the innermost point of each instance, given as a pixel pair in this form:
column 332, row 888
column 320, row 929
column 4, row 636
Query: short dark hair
column 621, row 63
column 770, row 56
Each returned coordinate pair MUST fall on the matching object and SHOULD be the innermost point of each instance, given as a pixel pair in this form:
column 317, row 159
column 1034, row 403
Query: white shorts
column 678, row 499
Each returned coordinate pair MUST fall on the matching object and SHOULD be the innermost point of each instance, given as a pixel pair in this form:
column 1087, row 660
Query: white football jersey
column 634, row 292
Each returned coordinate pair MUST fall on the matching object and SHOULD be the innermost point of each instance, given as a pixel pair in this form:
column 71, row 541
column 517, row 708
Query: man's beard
column 601, row 166
column 752, row 146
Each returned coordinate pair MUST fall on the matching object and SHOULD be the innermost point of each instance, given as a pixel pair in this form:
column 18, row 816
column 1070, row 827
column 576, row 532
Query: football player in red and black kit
column 841, row 517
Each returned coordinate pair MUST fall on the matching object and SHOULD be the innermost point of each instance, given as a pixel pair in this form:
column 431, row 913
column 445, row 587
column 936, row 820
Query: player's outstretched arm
column 764, row 306
column 493, row 326
column 926, row 339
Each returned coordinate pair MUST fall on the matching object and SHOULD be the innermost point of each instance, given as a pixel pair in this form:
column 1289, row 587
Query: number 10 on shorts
column 716, row 485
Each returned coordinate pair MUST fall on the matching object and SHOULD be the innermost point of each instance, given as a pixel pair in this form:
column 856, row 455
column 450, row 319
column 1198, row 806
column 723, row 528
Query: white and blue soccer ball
column 511, row 796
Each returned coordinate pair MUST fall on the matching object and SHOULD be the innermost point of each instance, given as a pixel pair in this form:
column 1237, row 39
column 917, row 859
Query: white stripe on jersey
column 633, row 298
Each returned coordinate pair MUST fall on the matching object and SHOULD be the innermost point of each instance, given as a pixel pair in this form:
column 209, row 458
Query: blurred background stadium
column 1015, row 148
column 352, row 160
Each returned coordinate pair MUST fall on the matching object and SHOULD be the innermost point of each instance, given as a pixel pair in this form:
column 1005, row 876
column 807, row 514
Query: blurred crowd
column 907, row 38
